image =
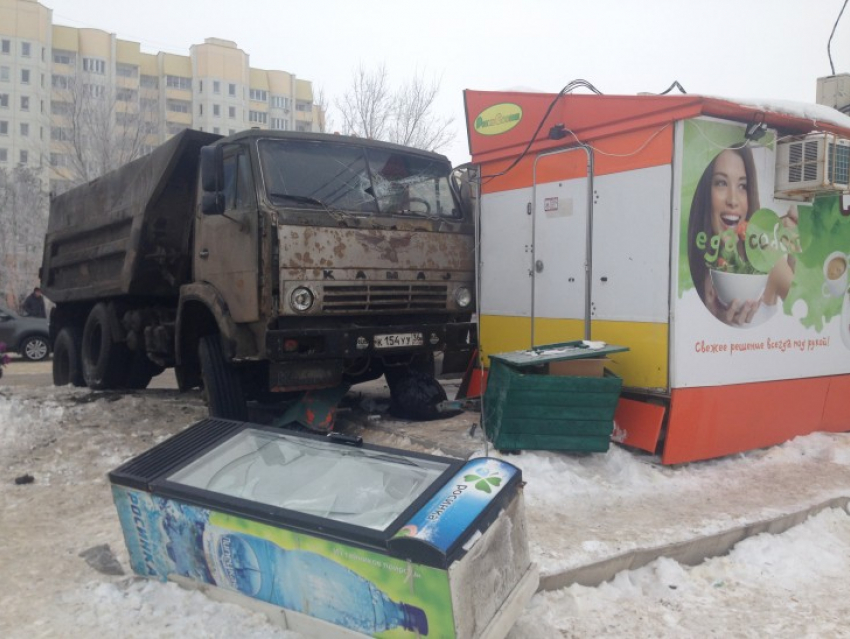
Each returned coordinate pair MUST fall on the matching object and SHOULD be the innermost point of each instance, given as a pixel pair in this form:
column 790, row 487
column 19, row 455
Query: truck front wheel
column 222, row 384
column 105, row 362
column 67, row 365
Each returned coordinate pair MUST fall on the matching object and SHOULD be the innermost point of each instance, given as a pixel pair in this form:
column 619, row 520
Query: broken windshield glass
column 359, row 180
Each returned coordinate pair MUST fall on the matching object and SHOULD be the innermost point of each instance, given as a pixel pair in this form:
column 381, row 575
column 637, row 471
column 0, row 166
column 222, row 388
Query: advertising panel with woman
column 762, row 282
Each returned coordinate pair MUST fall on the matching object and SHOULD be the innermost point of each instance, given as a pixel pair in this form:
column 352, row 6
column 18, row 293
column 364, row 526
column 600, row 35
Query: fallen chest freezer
column 328, row 536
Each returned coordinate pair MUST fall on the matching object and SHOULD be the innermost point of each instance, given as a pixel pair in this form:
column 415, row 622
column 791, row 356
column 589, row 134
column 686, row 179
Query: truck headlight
column 463, row 296
column 301, row 299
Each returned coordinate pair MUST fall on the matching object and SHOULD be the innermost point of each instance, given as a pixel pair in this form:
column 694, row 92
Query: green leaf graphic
column 495, row 480
column 483, row 486
column 823, row 230
column 471, row 478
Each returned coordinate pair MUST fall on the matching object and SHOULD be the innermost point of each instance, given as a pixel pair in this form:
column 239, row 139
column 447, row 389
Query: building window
column 58, row 159
column 94, row 65
column 4, row 100
column 60, row 108
column 149, row 104
column 200, row 109
column 216, row 110
column 216, row 86
column 64, row 57
column 280, row 102
column 173, row 128
column 231, row 131
column 26, row 49
column 4, row 74
column 178, row 106
column 94, row 90
column 231, row 112
column 126, row 95
column 6, row 46
column 24, row 157
column 257, row 116
column 215, row 130
column 4, row 127
column 200, row 86
column 61, row 134
column 178, row 82
column 61, row 81
column 231, row 89
column 303, row 106
column 25, row 76
column 258, row 95
column 280, row 124
column 4, row 155
column 25, row 103
column 149, row 82
column 25, row 130
column 126, row 70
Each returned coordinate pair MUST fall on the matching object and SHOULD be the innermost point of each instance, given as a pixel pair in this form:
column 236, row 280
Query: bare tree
column 367, row 106
column 414, row 122
column 325, row 120
column 23, row 222
column 98, row 128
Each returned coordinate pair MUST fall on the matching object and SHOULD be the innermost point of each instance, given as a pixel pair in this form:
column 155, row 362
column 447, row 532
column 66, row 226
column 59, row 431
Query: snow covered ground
column 582, row 510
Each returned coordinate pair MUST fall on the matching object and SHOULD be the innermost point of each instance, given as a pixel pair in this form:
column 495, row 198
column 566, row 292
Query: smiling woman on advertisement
column 730, row 286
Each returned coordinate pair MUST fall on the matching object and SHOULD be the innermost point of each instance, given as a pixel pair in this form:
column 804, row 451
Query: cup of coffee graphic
column 835, row 274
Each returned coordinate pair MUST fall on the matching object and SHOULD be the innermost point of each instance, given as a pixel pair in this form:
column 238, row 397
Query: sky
column 764, row 49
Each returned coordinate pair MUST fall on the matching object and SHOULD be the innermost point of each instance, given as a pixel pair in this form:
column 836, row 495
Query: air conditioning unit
column 812, row 164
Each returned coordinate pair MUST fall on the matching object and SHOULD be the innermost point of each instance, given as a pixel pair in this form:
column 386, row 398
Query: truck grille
column 384, row 297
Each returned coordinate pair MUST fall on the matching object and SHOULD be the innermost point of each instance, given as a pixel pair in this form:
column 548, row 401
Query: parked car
column 27, row 336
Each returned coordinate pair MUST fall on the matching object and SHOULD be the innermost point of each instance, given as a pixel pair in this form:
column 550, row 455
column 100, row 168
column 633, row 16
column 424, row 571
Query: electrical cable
column 571, row 86
column 567, row 89
column 829, row 42
column 675, row 85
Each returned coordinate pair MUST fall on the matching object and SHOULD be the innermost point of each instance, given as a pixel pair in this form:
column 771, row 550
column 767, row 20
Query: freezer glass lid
column 362, row 487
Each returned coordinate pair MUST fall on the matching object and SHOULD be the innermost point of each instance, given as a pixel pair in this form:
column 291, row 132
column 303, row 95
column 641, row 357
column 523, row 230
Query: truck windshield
column 342, row 177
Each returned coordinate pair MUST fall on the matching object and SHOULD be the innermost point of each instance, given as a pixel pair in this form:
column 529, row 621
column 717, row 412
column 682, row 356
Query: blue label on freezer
column 464, row 497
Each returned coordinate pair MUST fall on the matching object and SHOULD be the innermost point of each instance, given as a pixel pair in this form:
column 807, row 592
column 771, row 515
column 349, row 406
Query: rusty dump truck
column 260, row 264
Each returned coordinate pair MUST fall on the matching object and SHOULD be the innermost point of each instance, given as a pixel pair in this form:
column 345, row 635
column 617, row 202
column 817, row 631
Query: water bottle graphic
column 305, row 582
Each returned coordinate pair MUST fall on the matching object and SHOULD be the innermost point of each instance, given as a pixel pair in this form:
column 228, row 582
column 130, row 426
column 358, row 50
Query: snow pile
column 580, row 509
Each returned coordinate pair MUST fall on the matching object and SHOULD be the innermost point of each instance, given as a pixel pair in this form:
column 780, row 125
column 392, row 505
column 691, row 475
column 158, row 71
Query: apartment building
column 76, row 102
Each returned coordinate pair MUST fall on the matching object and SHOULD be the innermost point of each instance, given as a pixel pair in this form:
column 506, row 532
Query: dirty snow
column 581, row 509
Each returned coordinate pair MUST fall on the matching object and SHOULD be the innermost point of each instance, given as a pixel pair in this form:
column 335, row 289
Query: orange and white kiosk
column 710, row 237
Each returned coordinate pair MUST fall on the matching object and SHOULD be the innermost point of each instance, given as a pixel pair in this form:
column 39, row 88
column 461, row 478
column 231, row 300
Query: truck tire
column 67, row 366
column 415, row 395
column 106, row 363
column 142, row 371
column 222, row 384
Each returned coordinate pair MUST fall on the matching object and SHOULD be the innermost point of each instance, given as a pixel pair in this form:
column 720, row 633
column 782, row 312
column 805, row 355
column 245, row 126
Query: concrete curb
column 690, row 553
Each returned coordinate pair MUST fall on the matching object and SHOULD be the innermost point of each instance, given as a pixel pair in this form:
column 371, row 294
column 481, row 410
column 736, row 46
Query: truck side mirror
column 212, row 203
column 212, row 169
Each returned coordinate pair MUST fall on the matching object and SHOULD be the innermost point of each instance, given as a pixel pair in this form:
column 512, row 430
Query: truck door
column 227, row 246
column 560, row 248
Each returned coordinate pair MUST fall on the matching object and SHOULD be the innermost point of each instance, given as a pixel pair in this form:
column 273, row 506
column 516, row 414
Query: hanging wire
column 675, row 85
column 829, row 42
column 575, row 84
column 569, row 88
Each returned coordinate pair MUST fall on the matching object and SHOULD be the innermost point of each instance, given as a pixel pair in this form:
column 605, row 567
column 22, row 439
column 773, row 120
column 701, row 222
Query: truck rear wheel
column 67, row 365
column 142, row 371
column 105, row 362
column 222, row 384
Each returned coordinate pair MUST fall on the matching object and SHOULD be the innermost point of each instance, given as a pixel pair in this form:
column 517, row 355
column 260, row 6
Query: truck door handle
column 204, row 254
column 538, row 266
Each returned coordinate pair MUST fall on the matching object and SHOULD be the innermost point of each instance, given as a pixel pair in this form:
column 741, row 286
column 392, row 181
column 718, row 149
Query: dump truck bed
column 127, row 232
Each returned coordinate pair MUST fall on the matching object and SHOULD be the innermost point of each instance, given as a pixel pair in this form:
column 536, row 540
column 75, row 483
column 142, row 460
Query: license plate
column 398, row 339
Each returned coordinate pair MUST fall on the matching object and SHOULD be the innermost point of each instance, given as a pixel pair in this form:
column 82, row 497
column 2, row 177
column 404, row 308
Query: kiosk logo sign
column 498, row 119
